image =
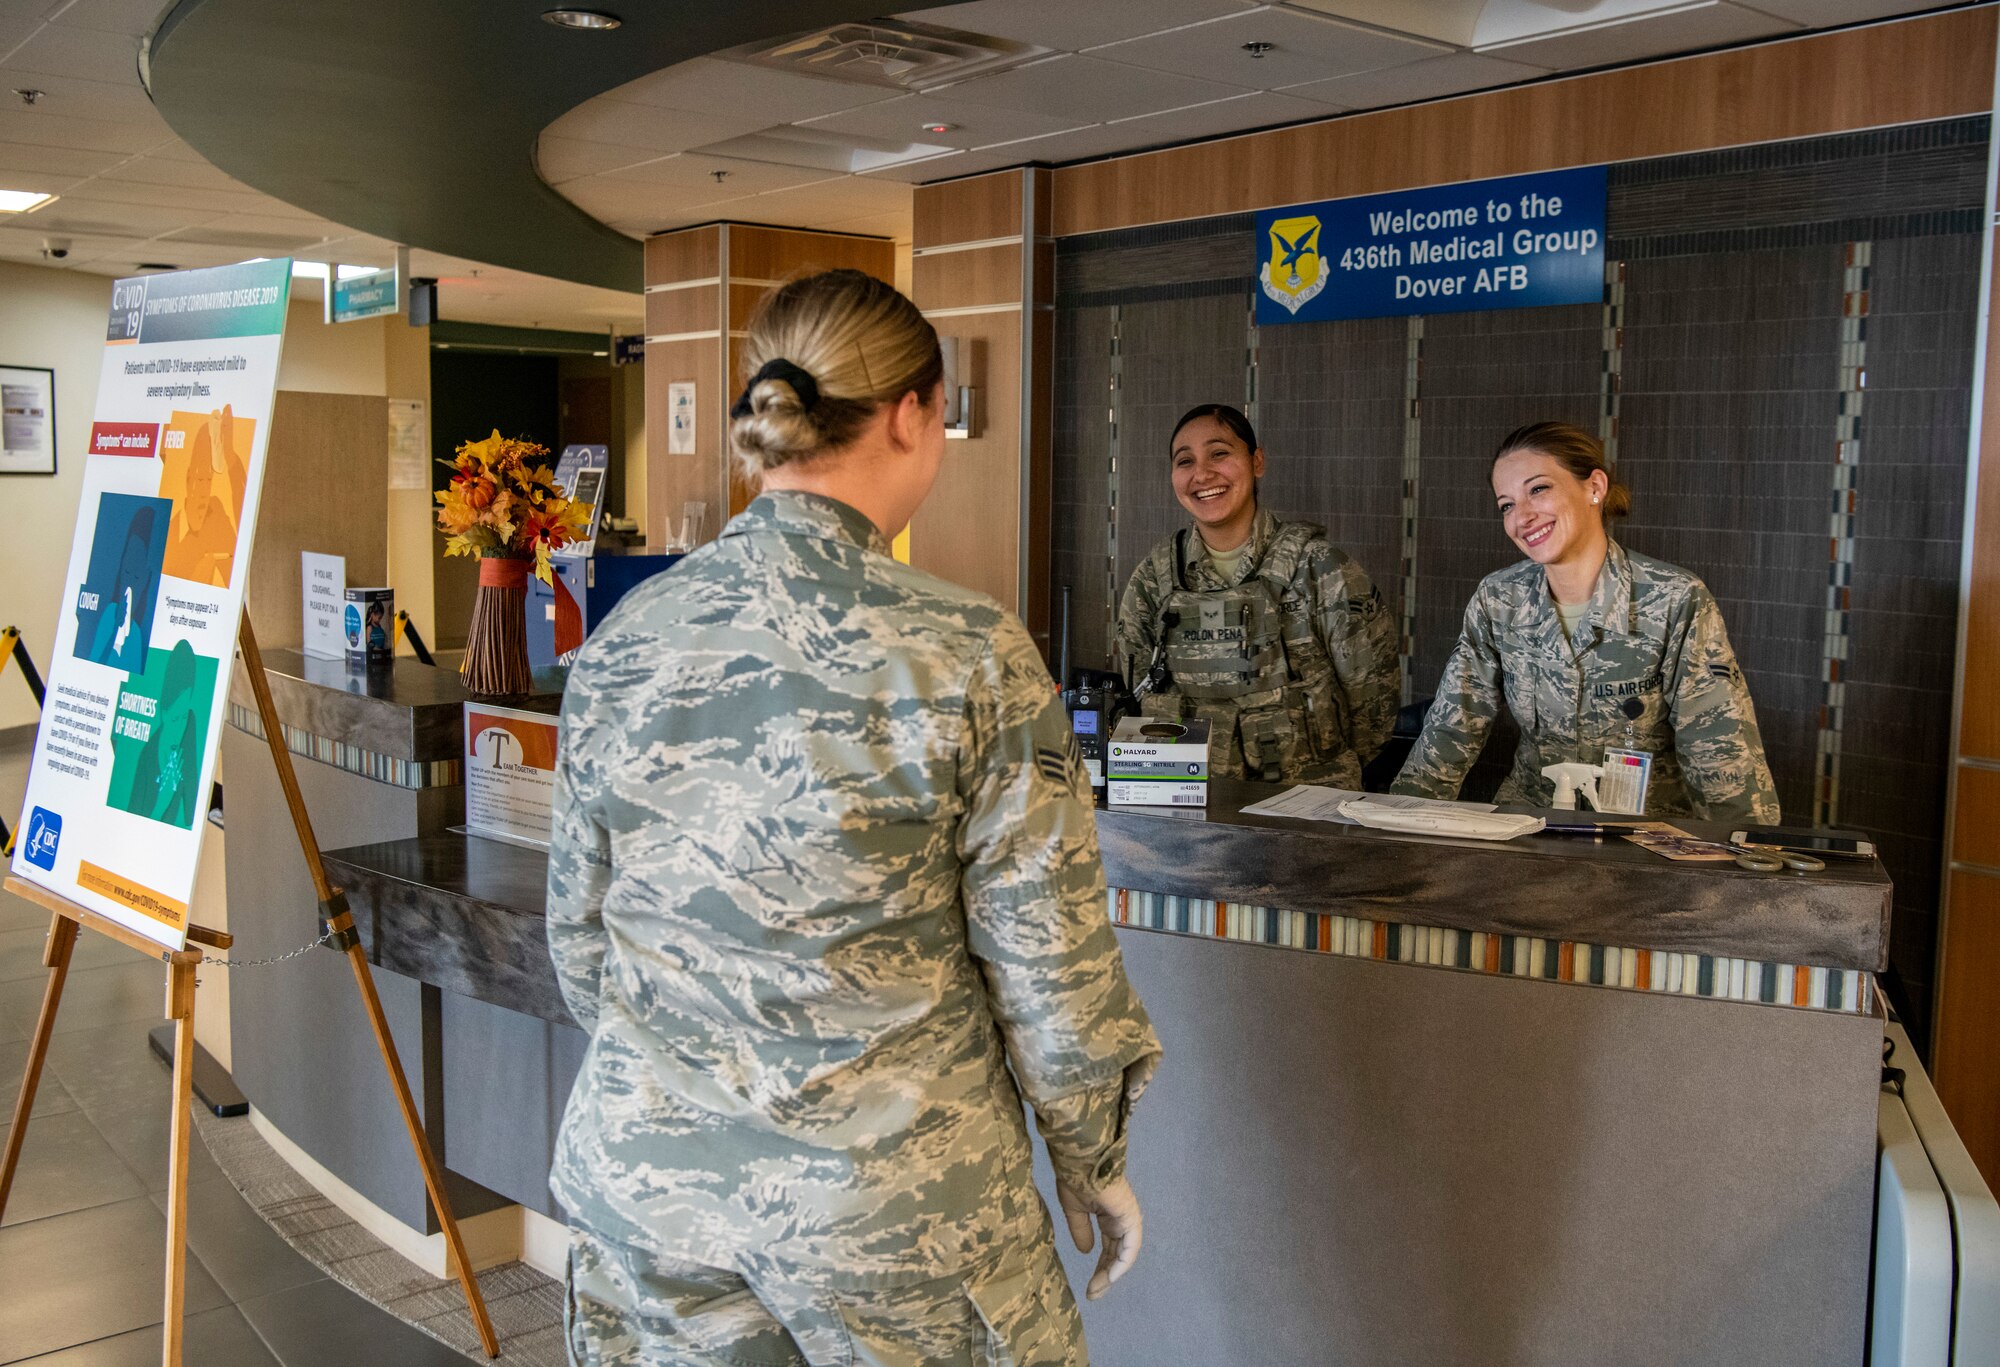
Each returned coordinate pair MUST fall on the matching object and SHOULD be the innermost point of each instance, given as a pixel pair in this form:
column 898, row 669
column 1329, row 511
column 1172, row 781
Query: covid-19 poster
column 138, row 678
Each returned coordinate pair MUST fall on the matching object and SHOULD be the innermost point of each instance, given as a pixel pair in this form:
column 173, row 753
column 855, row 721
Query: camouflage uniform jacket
column 1650, row 668
column 1312, row 682
column 824, row 867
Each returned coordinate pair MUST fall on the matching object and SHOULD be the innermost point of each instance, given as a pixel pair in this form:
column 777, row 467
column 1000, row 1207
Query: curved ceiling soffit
column 416, row 120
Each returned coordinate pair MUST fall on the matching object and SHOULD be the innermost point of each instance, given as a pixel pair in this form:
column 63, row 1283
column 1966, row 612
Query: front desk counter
column 1424, row 1102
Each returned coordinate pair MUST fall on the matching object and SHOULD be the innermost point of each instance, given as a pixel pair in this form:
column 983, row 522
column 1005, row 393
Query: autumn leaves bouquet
column 503, row 502
column 504, row 506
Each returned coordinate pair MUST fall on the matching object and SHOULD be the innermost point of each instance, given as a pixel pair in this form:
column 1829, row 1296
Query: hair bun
column 823, row 353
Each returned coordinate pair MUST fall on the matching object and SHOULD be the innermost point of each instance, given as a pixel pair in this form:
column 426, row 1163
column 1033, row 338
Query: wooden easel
column 337, row 921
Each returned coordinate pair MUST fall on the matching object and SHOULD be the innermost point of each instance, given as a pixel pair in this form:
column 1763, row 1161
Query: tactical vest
column 1248, row 658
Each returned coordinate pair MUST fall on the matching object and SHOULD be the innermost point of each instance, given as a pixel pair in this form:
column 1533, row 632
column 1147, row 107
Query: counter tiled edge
column 1640, row 970
column 400, row 773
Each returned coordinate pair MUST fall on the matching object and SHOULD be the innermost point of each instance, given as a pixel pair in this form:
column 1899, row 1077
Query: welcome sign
column 1515, row 242
column 147, row 632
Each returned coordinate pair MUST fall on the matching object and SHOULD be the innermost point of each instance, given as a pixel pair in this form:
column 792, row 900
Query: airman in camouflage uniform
column 1292, row 659
column 824, row 871
column 1649, row 668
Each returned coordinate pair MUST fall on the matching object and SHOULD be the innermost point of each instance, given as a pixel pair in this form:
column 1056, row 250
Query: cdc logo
column 44, row 834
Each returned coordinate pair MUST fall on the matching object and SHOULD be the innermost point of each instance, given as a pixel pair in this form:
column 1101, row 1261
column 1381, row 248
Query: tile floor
column 82, row 1243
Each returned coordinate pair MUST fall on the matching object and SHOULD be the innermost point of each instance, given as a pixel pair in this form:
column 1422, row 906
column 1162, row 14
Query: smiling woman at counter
column 1261, row 626
column 1592, row 646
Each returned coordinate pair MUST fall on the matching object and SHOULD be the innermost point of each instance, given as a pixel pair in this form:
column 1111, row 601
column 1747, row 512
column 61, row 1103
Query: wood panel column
column 1965, row 1041
column 702, row 285
column 984, row 273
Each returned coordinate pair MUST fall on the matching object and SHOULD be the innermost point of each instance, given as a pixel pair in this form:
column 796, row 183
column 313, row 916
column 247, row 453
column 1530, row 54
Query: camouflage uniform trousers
column 629, row 1308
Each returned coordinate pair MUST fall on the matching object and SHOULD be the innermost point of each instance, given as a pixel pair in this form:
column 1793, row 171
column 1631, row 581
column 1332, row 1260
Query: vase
column 496, row 642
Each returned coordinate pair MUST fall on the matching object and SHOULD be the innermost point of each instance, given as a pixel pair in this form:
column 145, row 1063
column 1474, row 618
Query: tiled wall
column 1904, row 615
column 1731, row 368
column 1735, row 278
column 1330, row 415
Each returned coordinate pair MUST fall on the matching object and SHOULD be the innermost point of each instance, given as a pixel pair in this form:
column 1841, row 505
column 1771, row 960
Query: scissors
column 1770, row 859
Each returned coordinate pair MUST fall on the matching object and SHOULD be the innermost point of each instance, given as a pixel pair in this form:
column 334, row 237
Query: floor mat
column 526, row 1307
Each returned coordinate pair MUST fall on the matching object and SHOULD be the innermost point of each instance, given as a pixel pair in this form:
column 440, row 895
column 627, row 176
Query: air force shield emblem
column 1294, row 273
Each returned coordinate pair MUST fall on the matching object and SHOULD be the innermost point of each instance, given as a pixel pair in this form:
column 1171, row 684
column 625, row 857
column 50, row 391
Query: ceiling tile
column 1657, row 35
column 250, row 241
column 163, row 171
column 56, row 161
column 663, row 222
column 112, row 16
column 722, row 89
column 28, row 12
column 1073, row 24
column 830, row 200
column 799, row 144
column 609, row 200
column 1827, row 13
column 559, row 159
column 87, row 54
column 694, row 171
column 1087, row 89
column 40, row 184
column 178, row 150
column 975, row 125
column 301, row 229
column 84, row 218
column 1306, row 47
column 1426, row 80
column 651, row 127
column 25, row 244
column 1448, row 21
column 1260, row 109
column 89, row 135
column 934, row 168
column 69, row 95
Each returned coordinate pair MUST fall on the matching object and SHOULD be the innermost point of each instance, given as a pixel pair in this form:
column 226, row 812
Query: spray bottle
column 1571, row 779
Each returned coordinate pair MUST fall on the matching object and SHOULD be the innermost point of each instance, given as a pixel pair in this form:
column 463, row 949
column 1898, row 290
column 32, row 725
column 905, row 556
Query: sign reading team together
column 1517, row 242
column 136, row 685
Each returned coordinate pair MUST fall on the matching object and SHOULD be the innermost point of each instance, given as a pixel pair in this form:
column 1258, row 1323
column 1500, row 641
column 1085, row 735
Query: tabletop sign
column 363, row 296
column 581, row 473
column 323, row 582
column 510, row 773
column 1517, row 242
column 137, row 677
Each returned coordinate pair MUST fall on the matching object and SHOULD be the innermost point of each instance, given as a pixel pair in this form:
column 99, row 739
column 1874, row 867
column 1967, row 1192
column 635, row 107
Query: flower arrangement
column 502, row 503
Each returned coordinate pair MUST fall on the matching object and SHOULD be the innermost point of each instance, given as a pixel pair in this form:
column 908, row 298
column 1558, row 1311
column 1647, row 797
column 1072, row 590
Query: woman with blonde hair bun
column 824, row 889
column 1592, row 647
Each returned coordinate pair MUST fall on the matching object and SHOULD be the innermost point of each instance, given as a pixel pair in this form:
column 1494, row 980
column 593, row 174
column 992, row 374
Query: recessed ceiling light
column 23, row 201
column 581, row 18
column 940, row 128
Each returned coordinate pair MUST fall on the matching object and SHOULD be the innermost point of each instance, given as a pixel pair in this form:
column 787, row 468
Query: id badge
column 1627, row 775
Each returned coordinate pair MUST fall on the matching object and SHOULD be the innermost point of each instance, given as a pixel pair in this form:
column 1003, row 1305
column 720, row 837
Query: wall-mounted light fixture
column 960, row 395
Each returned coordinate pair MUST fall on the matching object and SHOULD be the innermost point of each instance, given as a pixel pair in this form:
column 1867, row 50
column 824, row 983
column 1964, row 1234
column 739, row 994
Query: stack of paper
column 1308, row 803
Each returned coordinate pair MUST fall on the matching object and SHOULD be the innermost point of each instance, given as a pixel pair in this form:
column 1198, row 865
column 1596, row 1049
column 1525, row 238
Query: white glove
column 1117, row 1212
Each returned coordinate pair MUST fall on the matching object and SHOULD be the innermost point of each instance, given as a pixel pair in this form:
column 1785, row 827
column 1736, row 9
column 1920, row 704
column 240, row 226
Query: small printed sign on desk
column 510, row 773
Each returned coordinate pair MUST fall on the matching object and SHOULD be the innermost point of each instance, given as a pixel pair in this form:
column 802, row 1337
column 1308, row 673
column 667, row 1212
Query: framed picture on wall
column 27, row 420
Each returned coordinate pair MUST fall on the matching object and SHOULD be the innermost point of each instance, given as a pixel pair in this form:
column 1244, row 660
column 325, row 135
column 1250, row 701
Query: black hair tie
column 778, row 368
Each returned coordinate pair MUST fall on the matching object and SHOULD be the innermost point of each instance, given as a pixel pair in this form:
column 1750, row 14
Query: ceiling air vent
column 901, row 55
